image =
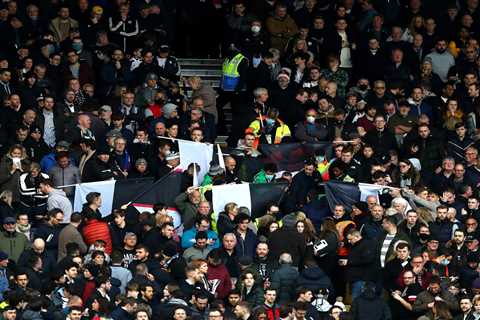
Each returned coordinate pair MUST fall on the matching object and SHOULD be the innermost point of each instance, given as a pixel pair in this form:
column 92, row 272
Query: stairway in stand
column 210, row 70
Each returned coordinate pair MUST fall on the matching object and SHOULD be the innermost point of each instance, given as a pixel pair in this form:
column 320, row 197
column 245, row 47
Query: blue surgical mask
column 444, row 262
column 269, row 177
column 270, row 122
column 77, row 46
column 50, row 48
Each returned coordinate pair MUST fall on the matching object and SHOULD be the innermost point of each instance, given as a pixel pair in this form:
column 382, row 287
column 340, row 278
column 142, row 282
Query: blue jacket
column 48, row 162
column 441, row 230
column 188, row 238
column 3, row 282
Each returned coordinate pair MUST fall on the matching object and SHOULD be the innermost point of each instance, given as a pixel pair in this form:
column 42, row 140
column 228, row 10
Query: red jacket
column 273, row 313
column 97, row 230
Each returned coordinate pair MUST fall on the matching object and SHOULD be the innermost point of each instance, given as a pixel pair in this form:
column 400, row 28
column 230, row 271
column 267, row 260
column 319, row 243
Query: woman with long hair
column 306, row 228
column 251, row 289
column 415, row 27
column 326, row 245
column 13, row 164
column 441, row 311
column 202, row 266
column 405, row 175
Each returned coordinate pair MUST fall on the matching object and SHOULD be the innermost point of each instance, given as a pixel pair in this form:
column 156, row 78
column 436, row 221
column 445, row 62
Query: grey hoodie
column 58, row 199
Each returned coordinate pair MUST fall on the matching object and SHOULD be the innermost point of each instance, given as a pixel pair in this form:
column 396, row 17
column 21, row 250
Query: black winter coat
column 295, row 245
column 368, row 306
column 362, row 260
column 315, row 279
column 97, row 170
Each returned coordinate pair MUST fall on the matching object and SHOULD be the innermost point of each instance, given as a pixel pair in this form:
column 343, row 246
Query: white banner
column 106, row 188
column 238, row 193
column 200, row 153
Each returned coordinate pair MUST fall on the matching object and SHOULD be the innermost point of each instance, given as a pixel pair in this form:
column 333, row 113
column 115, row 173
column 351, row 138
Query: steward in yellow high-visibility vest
column 269, row 129
column 230, row 72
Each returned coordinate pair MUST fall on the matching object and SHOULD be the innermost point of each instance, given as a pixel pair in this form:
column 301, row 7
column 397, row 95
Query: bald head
column 38, row 245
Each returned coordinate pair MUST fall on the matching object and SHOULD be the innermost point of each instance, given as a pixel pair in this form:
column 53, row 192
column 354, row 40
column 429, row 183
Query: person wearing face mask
column 255, row 42
column 267, row 174
column 269, row 129
column 84, row 55
column 310, row 130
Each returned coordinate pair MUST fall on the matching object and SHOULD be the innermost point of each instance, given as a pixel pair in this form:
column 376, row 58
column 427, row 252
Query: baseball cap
column 9, row 220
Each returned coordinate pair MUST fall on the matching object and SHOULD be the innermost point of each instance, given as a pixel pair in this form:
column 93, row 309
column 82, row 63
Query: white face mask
column 255, row 29
column 311, row 119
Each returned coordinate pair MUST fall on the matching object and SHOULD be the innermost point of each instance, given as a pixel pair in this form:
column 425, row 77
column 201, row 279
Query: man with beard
column 459, row 250
column 441, row 59
column 262, row 262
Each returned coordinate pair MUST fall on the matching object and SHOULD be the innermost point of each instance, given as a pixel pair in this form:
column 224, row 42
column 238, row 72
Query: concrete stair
column 210, row 70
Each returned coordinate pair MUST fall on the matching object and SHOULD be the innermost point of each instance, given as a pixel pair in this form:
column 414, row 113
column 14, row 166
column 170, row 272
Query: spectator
column 71, row 234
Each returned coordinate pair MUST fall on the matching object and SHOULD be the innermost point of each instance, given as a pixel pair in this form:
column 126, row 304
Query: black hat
column 170, row 249
column 245, row 261
column 103, row 149
column 164, row 48
column 35, row 129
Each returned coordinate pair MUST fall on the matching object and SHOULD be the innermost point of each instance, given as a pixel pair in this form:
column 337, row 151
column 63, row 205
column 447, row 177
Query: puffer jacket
column 369, row 306
column 254, row 297
column 284, row 280
column 95, row 229
column 442, row 230
column 314, row 279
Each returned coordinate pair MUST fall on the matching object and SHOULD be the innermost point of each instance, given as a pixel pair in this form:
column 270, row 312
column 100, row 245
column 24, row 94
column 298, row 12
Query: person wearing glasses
column 404, row 297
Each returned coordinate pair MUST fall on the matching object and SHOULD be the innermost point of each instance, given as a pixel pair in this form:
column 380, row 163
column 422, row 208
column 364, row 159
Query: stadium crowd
column 92, row 91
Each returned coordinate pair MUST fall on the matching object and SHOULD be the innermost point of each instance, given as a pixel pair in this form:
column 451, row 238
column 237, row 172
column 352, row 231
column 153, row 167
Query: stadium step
column 210, row 70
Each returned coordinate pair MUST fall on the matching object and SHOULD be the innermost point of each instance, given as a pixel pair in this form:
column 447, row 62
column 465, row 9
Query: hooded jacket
column 58, row 199
column 370, row 306
column 219, row 279
column 314, row 279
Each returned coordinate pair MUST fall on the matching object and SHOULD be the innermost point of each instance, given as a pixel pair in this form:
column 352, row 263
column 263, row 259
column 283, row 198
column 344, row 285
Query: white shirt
column 49, row 129
column 345, row 54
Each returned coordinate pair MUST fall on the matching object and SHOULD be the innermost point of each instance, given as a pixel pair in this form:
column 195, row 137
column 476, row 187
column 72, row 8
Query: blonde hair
column 6, row 196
